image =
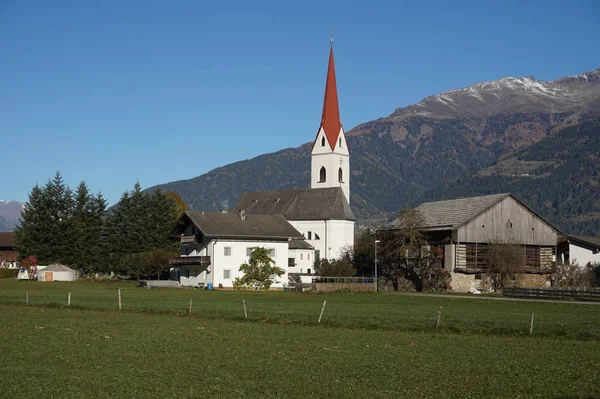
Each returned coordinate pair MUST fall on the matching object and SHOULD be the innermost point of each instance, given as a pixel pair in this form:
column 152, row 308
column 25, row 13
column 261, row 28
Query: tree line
column 77, row 229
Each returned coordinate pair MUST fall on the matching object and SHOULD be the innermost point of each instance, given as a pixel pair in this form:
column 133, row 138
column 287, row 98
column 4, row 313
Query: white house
column 579, row 249
column 322, row 213
column 215, row 245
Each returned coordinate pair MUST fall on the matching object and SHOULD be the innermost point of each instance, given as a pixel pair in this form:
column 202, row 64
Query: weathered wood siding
column 507, row 221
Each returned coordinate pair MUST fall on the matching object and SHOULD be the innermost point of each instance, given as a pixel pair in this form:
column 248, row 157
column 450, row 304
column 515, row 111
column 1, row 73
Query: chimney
column 242, row 214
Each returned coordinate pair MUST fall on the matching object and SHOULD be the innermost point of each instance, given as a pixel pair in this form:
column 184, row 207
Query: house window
column 322, row 141
column 272, row 252
column 301, row 257
column 227, row 251
column 322, row 175
column 340, row 175
column 309, row 235
column 227, row 274
column 308, row 256
column 249, row 251
column 308, row 271
column 317, row 237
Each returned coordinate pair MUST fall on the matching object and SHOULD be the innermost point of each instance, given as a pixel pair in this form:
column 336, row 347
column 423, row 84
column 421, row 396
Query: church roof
column 308, row 204
column 330, row 120
column 233, row 225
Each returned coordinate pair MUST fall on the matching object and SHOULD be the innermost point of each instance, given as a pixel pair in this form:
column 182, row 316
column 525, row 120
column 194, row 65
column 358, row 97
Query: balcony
column 188, row 240
column 190, row 261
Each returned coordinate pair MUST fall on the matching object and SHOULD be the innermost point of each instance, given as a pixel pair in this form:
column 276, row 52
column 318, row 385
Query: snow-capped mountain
column 9, row 214
column 508, row 95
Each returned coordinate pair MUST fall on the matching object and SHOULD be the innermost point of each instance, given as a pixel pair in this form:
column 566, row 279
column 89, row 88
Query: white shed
column 57, row 272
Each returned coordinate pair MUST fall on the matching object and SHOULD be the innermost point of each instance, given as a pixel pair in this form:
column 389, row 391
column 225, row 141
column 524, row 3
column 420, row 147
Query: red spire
column 330, row 121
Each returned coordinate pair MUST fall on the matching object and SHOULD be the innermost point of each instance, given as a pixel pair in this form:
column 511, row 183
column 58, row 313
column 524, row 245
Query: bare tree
column 404, row 254
column 504, row 261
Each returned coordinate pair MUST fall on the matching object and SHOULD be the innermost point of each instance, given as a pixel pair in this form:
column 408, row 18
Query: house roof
column 58, row 267
column 308, row 204
column 7, row 240
column 300, row 244
column 330, row 120
column 591, row 241
column 451, row 214
column 231, row 225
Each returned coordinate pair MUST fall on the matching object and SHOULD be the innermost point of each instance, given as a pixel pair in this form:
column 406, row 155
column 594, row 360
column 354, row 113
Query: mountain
column 9, row 214
column 398, row 159
column 559, row 177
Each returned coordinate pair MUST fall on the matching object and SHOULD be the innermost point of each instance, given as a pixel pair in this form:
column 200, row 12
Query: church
column 297, row 226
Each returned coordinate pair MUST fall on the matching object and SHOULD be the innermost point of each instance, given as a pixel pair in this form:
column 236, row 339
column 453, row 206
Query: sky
column 116, row 92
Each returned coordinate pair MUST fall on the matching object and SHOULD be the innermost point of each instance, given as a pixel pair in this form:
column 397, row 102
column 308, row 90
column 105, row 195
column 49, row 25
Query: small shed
column 57, row 272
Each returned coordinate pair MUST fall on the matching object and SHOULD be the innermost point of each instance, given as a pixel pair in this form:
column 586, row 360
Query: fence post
column 322, row 310
column 27, row 298
column 439, row 318
column 531, row 325
column 119, row 299
column 190, row 308
column 69, row 300
column 245, row 311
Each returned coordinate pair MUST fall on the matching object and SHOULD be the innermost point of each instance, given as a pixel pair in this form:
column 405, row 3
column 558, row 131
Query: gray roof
column 591, row 241
column 300, row 244
column 58, row 267
column 454, row 213
column 451, row 214
column 307, row 204
column 231, row 225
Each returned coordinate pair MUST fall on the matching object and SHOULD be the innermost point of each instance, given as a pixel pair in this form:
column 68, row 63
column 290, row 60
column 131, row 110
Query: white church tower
column 330, row 158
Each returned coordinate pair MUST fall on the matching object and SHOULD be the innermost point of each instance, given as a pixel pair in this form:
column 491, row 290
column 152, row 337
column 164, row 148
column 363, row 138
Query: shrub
column 9, row 273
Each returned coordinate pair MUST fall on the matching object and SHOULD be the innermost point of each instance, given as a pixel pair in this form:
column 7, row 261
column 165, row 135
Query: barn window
column 322, row 175
column 340, row 175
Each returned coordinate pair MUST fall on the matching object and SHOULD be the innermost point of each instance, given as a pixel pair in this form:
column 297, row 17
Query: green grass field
column 380, row 346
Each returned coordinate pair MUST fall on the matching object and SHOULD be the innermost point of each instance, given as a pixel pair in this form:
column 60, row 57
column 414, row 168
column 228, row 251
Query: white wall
column 305, row 259
column 334, row 235
column 323, row 156
column 220, row 262
column 582, row 256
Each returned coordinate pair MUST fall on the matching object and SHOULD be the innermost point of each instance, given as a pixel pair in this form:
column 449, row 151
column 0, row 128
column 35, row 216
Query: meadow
column 368, row 345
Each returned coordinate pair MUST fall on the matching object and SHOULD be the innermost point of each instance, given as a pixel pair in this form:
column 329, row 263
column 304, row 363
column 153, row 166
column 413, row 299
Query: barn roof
column 308, row 204
column 232, row 225
column 451, row 214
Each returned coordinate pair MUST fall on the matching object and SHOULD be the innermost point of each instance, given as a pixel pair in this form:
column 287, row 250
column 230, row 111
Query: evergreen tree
column 29, row 235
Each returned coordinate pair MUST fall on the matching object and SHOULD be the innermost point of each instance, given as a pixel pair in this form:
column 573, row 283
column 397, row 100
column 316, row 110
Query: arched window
column 322, row 141
column 340, row 142
column 322, row 175
column 317, row 237
column 340, row 175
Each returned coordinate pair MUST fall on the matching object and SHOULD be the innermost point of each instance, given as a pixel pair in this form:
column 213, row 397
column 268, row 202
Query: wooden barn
column 465, row 227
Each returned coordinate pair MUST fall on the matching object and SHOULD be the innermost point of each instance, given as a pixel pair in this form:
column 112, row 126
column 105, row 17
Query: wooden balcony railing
column 190, row 261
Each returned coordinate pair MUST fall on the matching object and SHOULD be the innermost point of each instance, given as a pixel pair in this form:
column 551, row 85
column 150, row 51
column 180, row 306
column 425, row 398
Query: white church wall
column 333, row 235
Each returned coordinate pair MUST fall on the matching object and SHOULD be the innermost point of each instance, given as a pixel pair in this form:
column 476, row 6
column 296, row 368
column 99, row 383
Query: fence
column 554, row 293
column 328, row 284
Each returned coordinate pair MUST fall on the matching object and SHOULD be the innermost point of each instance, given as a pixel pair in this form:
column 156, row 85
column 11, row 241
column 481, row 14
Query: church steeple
column 330, row 159
column 330, row 120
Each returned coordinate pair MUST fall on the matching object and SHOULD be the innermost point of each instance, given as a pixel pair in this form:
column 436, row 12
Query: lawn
column 367, row 310
column 57, row 352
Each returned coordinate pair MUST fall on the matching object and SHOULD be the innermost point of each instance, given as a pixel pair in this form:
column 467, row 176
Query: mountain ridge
column 397, row 159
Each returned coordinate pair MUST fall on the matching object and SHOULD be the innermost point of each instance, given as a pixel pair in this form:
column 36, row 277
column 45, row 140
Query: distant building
column 579, row 249
column 8, row 252
column 463, row 229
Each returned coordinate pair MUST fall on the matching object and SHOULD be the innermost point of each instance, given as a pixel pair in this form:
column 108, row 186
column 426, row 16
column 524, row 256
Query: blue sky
column 114, row 92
